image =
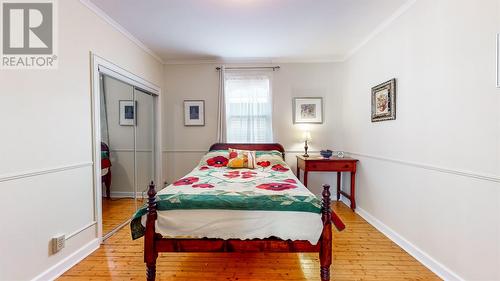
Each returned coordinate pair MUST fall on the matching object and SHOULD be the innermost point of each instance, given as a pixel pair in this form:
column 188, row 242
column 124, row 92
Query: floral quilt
column 212, row 185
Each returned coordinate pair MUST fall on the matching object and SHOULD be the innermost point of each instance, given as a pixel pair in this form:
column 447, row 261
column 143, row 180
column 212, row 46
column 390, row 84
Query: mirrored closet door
column 144, row 143
column 127, row 150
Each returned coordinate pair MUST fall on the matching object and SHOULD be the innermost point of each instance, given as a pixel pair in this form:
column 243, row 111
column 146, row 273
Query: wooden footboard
column 154, row 243
column 150, row 236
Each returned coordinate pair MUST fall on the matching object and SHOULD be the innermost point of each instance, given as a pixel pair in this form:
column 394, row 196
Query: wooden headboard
column 249, row 146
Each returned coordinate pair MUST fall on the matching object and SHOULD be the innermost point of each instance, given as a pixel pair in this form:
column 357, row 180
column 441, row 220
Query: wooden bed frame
column 154, row 243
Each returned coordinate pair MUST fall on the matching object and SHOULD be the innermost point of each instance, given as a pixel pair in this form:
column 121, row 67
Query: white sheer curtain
column 221, row 106
column 248, row 103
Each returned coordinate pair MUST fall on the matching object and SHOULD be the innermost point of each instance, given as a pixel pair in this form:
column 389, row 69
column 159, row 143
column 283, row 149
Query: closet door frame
column 99, row 66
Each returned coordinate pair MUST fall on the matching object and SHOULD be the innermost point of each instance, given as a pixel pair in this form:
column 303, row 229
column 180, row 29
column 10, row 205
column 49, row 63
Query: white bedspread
column 234, row 224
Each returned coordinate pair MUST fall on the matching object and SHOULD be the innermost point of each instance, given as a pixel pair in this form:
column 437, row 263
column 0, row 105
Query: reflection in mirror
column 144, row 143
column 117, row 152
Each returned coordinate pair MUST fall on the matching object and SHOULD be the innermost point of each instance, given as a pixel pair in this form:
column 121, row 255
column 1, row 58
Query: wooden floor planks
column 116, row 211
column 360, row 253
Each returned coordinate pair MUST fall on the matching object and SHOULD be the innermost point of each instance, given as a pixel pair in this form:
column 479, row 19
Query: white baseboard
column 68, row 262
column 127, row 194
column 429, row 262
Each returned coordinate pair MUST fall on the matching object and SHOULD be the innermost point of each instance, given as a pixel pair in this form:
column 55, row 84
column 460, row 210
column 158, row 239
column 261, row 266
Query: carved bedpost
column 325, row 253
column 150, row 253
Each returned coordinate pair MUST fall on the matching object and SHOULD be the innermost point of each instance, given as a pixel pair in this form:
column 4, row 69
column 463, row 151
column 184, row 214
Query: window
column 248, row 107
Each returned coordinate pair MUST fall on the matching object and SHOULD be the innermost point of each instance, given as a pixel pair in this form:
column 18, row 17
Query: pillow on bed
column 260, row 153
column 269, row 160
column 215, row 159
column 241, row 159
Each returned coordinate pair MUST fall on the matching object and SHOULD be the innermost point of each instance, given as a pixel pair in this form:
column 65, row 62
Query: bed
column 218, row 209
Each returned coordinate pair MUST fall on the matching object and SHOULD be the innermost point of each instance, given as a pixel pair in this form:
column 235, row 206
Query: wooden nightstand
column 333, row 164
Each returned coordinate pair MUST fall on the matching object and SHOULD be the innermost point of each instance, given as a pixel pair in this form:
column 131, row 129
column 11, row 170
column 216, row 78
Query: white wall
column 432, row 175
column 184, row 146
column 47, row 125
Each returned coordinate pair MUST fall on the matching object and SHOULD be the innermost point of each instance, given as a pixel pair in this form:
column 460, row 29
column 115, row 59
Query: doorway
column 126, row 138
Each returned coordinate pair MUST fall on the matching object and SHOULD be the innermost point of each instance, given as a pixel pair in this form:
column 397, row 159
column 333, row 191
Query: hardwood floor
column 360, row 252
column 116, row 211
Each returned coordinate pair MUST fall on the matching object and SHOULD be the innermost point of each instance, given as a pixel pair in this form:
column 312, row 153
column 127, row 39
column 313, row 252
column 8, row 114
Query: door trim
column 100, row 65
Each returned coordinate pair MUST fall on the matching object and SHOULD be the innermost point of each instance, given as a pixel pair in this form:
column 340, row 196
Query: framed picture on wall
column 308, row 110
column 194, row 113
column 128, row 112
column 384, row 101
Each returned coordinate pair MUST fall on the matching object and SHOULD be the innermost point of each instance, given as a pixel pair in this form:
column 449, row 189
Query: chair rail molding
column 186, row 150
column 130, row 150
column 37, row 172
column 476, row 175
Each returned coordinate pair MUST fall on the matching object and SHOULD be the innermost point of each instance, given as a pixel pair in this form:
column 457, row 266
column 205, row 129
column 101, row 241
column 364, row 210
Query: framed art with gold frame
column 384, row 101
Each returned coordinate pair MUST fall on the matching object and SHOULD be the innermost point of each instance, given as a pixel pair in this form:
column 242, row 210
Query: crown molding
column 255, row 60
column 326, row 59
column 219, row 61
column 381, row 27
column 91, row 6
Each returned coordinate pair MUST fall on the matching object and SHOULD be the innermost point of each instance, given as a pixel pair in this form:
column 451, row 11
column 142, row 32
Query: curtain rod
column 274, row 68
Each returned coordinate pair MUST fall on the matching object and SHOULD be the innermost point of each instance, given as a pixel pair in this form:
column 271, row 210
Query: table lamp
column 307, row 137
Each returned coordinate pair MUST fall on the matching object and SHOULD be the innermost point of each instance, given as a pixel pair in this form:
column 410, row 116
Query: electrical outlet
column 58, row 243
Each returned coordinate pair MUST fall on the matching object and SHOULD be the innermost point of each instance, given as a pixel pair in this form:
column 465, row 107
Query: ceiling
column 293, row 30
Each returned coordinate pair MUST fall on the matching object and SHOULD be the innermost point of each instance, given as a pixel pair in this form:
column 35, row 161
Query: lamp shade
column 306, row 136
